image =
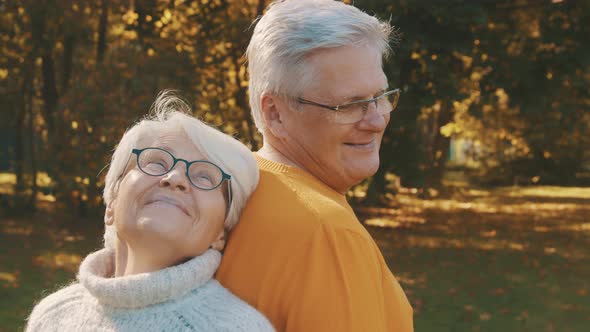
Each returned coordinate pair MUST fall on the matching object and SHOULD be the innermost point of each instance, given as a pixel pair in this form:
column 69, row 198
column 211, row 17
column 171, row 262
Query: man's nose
column 373, row 120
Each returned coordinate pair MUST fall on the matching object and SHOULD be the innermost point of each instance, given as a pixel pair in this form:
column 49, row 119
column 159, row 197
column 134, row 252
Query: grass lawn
column 511, row 259
column 508, row 259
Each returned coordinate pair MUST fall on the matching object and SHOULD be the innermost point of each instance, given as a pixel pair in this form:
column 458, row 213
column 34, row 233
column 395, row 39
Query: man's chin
column 361, row 173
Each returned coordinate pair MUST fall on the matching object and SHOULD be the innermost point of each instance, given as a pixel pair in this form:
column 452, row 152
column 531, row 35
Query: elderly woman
column 174, row 188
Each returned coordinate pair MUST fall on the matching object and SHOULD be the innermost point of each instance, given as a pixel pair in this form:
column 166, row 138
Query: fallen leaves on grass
column 9, row 279
column 66, row 261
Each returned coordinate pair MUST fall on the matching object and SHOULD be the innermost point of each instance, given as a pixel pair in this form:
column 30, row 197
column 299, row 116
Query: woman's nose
column 176, row 179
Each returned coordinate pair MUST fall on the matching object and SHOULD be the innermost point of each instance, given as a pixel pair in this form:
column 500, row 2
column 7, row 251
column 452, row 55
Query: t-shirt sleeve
column 340, row 286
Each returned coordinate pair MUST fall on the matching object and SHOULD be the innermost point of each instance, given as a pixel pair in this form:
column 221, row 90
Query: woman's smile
column 166, row 200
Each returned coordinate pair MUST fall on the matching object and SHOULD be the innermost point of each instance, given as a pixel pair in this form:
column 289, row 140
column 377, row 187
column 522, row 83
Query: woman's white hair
column 171, row 112
column 292, row 30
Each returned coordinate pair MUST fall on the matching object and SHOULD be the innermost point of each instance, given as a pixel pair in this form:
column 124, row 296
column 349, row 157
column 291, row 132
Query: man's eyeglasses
column 202, row 174
column 355, row 111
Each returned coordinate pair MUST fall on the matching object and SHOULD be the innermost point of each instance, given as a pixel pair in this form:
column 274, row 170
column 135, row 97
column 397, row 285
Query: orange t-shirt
column 301, row 257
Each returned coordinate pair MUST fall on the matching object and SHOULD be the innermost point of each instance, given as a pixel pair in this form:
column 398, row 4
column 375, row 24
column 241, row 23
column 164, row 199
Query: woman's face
column 166, row 217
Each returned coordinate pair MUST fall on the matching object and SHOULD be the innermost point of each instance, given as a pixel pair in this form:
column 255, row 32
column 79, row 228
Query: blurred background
column 481, row 205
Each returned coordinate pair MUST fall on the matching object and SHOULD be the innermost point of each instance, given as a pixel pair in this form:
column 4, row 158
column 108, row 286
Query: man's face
column 340, row 155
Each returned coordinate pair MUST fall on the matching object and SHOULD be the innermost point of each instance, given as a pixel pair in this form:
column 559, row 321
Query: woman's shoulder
column 230, row 312
column 56, row 305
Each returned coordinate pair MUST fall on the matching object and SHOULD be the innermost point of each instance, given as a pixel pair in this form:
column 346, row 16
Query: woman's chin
column 163, row 226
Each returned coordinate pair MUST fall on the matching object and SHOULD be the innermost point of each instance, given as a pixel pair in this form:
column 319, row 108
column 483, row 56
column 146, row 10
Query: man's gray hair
column 171, row 112
column 292, row 30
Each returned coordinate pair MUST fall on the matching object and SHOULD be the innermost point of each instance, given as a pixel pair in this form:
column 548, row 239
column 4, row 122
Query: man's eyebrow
column 358, row 98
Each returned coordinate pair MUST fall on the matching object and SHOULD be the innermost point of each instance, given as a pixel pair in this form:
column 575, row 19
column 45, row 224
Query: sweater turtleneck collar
column 140, row 290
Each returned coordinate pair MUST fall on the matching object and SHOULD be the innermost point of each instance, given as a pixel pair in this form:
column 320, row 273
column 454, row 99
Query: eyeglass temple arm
column 309, row 102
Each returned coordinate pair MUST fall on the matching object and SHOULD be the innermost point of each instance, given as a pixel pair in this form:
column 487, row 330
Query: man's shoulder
column 284, row 198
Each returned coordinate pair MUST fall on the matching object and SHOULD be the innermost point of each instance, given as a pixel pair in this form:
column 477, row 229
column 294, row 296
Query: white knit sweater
column 178, row 298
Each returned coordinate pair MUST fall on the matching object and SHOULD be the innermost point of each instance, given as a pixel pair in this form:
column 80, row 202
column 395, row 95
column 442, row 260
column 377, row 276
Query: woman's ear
column 219, row 243
column 109, row 214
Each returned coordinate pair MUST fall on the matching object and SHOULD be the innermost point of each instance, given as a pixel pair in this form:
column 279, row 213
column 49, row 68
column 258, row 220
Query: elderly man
column 322, row 102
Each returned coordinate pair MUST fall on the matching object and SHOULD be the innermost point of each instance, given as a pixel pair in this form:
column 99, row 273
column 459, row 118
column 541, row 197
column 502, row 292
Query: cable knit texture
column 178, row 298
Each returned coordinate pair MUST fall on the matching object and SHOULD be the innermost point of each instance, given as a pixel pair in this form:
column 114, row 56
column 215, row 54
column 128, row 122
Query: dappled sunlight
column 9, row 279
column 549, row 191
column 394, row 222
column 11, row 227
column 514, row 204
column 436, row 242
column 58, row 260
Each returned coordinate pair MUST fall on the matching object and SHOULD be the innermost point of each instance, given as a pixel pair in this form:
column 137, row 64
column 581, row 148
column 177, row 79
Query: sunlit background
column 481, row 206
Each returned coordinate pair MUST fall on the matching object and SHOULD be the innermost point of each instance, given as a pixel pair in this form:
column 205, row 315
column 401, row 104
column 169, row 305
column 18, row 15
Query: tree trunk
column 102, row 30
column 439, row 151
column 32, row 151
column 376, row 188
column 260, row 8
column 69, row 42
column 19, row 147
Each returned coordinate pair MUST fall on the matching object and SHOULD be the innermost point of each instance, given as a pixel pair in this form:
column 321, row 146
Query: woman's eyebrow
column 167, row 148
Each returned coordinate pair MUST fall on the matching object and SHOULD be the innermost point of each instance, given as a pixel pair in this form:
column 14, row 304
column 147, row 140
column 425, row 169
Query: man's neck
column 268, row 151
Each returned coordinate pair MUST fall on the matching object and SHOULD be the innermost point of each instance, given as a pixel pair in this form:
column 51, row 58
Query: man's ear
column 109, row 214
column 272, row 112
column 219, row 242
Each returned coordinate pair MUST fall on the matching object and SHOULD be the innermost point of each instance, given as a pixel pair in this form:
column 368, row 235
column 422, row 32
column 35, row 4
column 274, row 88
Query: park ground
column 504, row 259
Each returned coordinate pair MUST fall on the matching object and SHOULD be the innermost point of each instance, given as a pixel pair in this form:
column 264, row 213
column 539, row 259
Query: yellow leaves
column 8, row 279
column 167, row 15
column 85, row 181
column 484, row 316
column 74, row 125
column 129, row 35
column 43, row 179
column 130, row 17
column 151, row 52
column 466, row 60
column 415, row 56
column 549, row 250
column 488, row 234
column 383, row 222
column 449, row 129
column 549, row 75
column 6, row 276
column 502, row 96
column 475, row 76
column 16, row 229
column 61, row 260
column 3, row 73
